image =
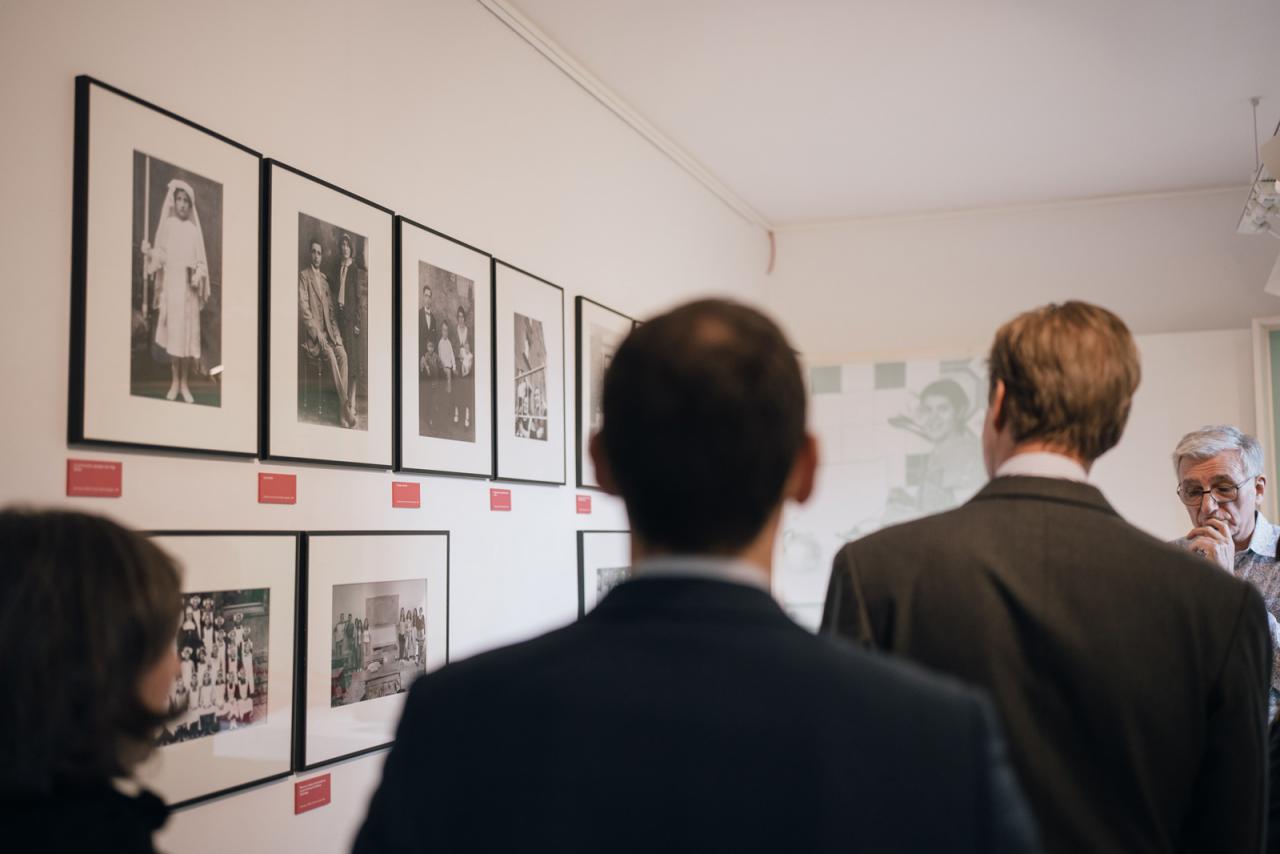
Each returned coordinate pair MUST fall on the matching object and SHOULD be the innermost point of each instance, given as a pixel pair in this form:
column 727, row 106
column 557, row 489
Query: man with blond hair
column 1131, row 675
column 1221, row 483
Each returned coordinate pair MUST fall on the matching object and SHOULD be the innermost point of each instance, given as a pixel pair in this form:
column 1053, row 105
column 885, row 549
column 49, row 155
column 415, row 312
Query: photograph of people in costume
column 379, row 639
column 333, row 321
column 176, row 305
column 446, row 354
column 222, row 650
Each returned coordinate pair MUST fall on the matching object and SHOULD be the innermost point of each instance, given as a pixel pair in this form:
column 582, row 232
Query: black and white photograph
column 222, row 647
column 329, row 386
column 604, row 562
column 446, row 354
column 530, row 375
column 231, row 707
column 333, row 323
column 609, row 577
column 600, row 331
column 368, row 640
column 530, row 381
column 165, row 281
column 445, row 364
column 379, row 639
column 177, row 284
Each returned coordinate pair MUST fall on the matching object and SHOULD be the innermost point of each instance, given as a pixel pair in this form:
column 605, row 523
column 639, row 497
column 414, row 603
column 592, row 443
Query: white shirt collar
column 703, row 567
column 1043, row 464
column 1265, row 536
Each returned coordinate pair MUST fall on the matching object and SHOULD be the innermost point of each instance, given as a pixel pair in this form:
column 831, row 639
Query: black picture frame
column 480, row 464
column 582, row 536
column 301, row 761
column 506, row 278
column 289, row 660
column 222, row 417
column 585, row 391
column 280, row 439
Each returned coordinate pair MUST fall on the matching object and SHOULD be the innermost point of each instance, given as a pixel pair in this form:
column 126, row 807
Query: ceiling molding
column 543, row 43
column 1028, row 207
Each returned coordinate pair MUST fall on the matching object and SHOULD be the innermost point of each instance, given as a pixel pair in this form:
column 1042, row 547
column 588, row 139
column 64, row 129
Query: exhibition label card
column 406, row 494
column 499, row 499
column 584, row 505
column 275, row 488
column 311, row 793
column 94, row 478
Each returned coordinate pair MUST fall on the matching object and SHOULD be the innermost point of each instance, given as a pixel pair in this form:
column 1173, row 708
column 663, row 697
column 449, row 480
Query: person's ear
column 604, row 471
column 804, row 471
column 995, row 406
column 1260, row 483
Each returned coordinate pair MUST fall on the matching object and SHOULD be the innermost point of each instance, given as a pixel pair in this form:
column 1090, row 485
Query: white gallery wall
column 1164, row 263
column 434, row 109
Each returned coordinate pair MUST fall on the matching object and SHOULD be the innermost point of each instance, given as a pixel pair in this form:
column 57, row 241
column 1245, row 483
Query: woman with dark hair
column 88, row 616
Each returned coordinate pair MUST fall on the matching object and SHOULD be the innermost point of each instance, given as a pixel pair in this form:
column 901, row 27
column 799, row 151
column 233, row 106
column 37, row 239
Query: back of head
column 704, row 414
column 86, row 607
column 1069, row 373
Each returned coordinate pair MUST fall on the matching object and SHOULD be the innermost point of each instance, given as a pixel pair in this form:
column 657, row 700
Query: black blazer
column 692, row 715
column 1131, row 676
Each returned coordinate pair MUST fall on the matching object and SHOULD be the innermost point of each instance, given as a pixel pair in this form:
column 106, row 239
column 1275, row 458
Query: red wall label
column 274, row 488
column 584, row 504
column 406, row 493
column 94, row 478
column 499, row 499
column 311, row 793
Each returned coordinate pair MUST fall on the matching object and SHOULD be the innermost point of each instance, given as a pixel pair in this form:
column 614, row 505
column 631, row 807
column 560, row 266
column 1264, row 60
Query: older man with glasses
column 1221, row 483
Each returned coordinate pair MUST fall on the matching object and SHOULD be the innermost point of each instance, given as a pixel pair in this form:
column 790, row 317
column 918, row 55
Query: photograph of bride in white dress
column 176, row 305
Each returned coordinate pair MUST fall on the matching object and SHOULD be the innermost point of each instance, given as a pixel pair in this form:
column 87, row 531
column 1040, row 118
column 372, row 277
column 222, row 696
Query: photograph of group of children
column 222, row 649
column 379, row 639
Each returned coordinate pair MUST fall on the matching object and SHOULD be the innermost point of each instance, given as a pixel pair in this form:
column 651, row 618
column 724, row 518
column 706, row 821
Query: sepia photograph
column 446, row 354
column 379, row 639
column 333, row 339
column 176, row 317
column 222, row 653
column 530, row 379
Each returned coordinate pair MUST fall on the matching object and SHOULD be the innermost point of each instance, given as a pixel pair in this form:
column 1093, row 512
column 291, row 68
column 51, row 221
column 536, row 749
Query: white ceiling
column 815, row 110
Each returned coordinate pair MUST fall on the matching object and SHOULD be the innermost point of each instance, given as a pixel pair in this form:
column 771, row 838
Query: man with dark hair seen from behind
column 686, row 712
column 1130, row 675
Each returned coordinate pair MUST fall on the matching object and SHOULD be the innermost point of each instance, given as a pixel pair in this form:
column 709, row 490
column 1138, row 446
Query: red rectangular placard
column 406, row 493
column 584, row 505
column 94, row 478
column 311, row 793
column 499, row 499
column 276, row 488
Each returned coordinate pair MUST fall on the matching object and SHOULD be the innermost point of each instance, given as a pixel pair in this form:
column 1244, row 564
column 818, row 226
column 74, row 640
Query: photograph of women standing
column 177, row 284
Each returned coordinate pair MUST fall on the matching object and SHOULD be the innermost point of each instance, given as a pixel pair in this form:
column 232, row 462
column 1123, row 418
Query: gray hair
column 1208, row 442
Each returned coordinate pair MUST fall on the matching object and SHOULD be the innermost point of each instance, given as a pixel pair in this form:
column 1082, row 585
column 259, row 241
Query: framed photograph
column 528, row 358
column 445, row 363
column 327, row 392
column 376, row 608
column 232, row 703
column 599, row 331
column 164, row 282
column 604, row 562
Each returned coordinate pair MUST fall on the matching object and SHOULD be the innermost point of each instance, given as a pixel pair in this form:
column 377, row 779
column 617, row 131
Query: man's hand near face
column 1213, row 540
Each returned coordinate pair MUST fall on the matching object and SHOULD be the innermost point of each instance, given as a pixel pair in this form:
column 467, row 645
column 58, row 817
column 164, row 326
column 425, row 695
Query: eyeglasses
column 1223, row 493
